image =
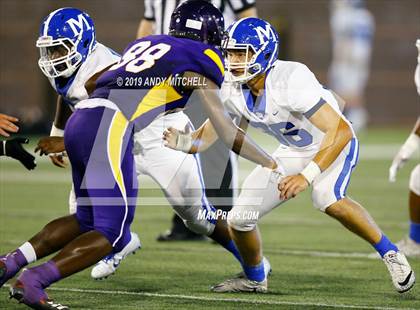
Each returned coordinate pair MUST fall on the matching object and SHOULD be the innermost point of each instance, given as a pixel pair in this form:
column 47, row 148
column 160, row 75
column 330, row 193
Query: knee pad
column 197, row 218
column 242, row 221
column 415, row 180
column 201, row 227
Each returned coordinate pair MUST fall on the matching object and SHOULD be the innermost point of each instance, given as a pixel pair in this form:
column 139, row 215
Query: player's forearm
column 62, row 114
column 236, row 139
column 232, row 136
column 145, row 28
column 245, row 147
column 335, row 140
column 203, row 138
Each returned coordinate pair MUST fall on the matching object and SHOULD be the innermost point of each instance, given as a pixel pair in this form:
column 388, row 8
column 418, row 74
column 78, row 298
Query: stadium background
column 316, row 263
column 304, row 24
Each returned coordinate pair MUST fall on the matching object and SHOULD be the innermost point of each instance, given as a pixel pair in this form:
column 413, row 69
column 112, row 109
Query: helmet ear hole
column 267, row 56
column 85, row 43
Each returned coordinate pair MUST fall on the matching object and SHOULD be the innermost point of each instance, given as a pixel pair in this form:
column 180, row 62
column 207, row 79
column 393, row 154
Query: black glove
column 13, row 148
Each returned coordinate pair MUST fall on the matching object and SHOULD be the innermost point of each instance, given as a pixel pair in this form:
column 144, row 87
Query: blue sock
column 384, row 246
column 415, row 232
column 255, row 273
column 231, row 247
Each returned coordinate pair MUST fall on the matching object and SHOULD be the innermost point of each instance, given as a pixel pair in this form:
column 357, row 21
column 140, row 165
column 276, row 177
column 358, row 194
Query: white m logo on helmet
column 264, row 34
column 77, row 25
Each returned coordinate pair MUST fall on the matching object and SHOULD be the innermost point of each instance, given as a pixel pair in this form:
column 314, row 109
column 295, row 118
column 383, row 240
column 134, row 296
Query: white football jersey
column 292, row 94
column 74, row 90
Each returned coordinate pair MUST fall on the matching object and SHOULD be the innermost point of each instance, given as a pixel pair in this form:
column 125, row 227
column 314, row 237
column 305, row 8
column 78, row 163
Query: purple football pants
column 99, row 145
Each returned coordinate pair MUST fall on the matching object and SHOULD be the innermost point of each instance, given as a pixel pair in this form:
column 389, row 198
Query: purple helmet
column 198, row 20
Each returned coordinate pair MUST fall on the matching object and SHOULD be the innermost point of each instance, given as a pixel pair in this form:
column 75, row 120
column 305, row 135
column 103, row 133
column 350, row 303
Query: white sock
column 28, row 251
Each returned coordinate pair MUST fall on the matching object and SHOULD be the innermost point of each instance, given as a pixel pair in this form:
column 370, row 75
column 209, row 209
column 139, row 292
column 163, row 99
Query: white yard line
column 324, row 254
column 307, row 253
column 218, row 299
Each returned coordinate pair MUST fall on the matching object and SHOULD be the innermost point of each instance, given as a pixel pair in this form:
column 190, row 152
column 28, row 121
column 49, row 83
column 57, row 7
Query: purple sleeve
column 210, row 64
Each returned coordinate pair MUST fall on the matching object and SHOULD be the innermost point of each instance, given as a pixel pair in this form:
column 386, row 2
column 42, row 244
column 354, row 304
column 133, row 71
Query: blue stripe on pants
column 347, row 169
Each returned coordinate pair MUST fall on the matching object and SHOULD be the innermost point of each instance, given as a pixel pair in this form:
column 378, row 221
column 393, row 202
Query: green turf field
column 316, row 263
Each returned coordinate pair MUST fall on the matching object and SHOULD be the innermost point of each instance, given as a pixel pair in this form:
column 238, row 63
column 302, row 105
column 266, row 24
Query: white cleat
column 267, row 270
column 240, row 285
column 109, row 264
column 401, row 273
column 409, row 247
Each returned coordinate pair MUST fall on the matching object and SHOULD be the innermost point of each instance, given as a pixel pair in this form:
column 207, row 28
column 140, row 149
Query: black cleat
column 175, row 236
column 17, row 292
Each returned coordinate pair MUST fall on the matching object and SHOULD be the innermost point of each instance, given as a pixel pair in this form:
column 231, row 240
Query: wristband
column 56, row 132
column 184, row 143
column 311, row 171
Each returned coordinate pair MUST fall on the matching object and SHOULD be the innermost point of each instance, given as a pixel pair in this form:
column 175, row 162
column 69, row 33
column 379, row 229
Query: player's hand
column 58, row 160
column 292, row 185
column 277, row 174
column 15, row 150
column 7, row 125
column 397, row 163
column 49, row 145
column 170, row 137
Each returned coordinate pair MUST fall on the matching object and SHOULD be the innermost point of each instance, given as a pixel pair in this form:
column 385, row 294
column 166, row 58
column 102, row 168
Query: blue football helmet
column 259, row 42
column 66, row 39
column 198, row 20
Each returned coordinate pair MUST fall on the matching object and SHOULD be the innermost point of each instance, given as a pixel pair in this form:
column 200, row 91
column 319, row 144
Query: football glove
column 13, row 148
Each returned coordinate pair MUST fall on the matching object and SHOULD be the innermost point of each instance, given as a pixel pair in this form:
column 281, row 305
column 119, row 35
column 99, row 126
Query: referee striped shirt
column 160, row 11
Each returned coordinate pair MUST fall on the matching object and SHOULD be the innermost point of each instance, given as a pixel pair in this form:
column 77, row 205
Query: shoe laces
column 394, row 263
column 114, row 259
column 108, row 258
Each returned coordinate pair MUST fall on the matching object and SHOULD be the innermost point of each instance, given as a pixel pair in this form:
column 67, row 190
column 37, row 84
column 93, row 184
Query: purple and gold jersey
column 147, row 81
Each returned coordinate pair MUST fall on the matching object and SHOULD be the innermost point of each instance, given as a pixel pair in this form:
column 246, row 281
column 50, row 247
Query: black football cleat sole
column 18, row 292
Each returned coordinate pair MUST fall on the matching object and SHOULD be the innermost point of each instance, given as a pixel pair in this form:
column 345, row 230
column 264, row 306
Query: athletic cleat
column 28, row 290
column 44, row 304
column 267, row 270
column 171, row 235
column 401, row 273
column 110, row 263
column 8, row 268
column 240, row 285
column 409, row 247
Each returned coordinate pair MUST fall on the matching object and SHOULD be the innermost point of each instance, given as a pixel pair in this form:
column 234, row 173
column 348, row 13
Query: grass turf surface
column 302, row 244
